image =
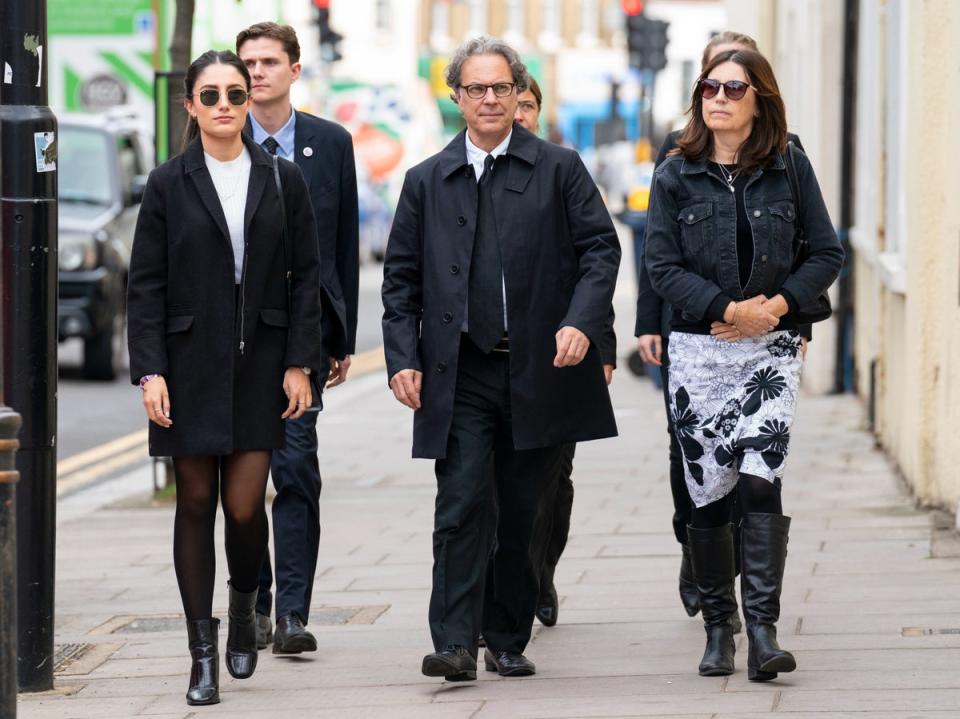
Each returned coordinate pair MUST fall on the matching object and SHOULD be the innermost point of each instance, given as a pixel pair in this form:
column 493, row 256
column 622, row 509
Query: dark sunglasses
column 211, row 97
column 733, row 89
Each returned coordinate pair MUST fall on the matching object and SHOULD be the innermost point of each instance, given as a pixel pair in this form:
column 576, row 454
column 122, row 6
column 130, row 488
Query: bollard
column 9, row 427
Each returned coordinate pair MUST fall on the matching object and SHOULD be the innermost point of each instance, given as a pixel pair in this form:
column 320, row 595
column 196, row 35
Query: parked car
column 102, row 166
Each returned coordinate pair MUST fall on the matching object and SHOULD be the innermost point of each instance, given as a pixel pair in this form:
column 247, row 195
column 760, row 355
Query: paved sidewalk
column 871, row 616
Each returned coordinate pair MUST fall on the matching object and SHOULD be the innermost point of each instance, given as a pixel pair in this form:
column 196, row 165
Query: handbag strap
column 283, row 231
column 799, row 231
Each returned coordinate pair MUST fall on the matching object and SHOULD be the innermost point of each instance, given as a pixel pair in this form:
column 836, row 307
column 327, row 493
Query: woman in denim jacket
column 721, row 250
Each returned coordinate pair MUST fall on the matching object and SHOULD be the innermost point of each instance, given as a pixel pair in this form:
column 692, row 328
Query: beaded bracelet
column 146, row 378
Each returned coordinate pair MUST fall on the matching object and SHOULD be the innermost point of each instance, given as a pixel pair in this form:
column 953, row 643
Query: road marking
column 108, row 449
column 88, row 466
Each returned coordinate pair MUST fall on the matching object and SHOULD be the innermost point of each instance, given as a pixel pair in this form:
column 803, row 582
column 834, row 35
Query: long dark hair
column 210, row 57
column 769, row 133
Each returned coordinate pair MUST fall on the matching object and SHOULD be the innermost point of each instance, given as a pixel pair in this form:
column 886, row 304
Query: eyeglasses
column 477, row 91
column 733, row 89
column 211, row 97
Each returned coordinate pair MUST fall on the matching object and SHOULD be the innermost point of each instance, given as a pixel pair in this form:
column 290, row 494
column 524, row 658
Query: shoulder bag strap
column 283, row 232
column 799, row 232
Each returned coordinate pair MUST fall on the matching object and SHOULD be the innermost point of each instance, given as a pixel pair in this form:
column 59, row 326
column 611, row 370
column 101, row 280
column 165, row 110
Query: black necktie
column 485, row 288
column 270, row 145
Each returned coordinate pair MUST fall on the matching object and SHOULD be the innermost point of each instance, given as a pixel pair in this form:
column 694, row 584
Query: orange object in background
column 379, row 150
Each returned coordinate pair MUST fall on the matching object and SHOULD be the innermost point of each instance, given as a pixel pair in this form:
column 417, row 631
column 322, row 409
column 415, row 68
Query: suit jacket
column 560, row 257
column 330, row 172
column 186, row 319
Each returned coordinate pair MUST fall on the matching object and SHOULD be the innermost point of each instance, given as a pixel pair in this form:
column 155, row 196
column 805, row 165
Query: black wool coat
column 560, row 257
column 186, row 322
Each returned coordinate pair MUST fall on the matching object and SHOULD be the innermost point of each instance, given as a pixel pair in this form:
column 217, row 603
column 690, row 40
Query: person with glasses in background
column 722, row 249
column 552, row 527
column 653, row 331
column 324, row 153
column 497, row 284
column 221, row 343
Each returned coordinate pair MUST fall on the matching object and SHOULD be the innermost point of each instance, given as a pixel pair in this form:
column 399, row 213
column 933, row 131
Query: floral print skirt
column 732, row 405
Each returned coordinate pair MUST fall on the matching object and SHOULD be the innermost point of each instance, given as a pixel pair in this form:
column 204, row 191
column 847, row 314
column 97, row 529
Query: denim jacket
column 691, row 238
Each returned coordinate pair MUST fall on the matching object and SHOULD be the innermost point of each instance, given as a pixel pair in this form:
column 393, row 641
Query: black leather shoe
column 205, row 662
column 455, row 664
column 548, row 606
column 508, row 664
column 291, row 637
column 264, row 631
column 242, row 634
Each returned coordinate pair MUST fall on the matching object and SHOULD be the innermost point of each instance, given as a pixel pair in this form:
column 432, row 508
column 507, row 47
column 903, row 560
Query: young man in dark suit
column 324, row 153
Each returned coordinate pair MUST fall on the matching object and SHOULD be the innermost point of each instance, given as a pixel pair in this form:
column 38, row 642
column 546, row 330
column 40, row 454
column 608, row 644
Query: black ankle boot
column 764, row 555
column 711, row 555
column 242, row 634
column 689, row 597
column 205, row 666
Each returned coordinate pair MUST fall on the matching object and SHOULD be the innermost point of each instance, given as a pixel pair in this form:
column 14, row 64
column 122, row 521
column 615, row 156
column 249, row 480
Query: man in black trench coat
column 498, row 281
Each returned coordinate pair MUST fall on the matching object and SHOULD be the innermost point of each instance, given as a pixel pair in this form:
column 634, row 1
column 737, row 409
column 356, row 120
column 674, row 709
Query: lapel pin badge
column 308, row 152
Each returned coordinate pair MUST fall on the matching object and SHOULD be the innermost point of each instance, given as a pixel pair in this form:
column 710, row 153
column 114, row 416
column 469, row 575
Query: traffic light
column 646, row 41
column 329, row 38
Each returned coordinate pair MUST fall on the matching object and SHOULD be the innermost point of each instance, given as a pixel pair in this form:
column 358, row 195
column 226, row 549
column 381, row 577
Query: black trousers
column 487, row 492
column 296, row 519
column 552, row 528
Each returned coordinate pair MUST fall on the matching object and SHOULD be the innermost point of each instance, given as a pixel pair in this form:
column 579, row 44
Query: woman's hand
column 296, row 385
column 650, row 348
column 156, row 400
column 752, row 317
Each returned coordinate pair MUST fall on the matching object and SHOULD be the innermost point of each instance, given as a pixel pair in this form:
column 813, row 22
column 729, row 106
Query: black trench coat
column 560, row 259
column 184, row 322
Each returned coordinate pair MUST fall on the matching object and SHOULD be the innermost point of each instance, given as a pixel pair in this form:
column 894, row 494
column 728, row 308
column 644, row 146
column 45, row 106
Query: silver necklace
column 728, row 176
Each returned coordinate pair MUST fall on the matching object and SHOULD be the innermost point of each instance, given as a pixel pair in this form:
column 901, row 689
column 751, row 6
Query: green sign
column 99, row 17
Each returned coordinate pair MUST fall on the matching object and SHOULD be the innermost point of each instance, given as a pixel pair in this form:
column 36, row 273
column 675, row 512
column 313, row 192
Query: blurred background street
column 869, row 88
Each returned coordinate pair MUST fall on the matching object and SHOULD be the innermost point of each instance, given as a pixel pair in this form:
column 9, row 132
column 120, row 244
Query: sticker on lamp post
column 45, row 145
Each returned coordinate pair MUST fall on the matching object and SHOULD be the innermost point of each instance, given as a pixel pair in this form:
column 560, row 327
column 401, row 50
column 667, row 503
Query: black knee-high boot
column 689, row 597
column 711, row 554
column 764, row 555
column 242, row 634
column 205, row 666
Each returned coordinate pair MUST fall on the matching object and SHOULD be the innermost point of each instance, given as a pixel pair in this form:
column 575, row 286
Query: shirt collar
column 284, row 136
column 476, row 156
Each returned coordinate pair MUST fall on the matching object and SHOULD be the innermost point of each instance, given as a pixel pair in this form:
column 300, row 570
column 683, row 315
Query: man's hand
column 650, row 348
column 338, row 371
column 156, row 400
column 572, row 346
column 406, row 387
column 296, row 385
column 608, row 372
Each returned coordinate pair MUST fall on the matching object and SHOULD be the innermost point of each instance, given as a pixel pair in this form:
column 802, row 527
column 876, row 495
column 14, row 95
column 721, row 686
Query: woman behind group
column 721, row 250
column 221, row 343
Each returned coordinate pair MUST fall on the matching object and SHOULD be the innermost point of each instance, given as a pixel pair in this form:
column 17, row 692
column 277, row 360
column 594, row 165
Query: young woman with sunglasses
column 221, row 343
column 721, row 250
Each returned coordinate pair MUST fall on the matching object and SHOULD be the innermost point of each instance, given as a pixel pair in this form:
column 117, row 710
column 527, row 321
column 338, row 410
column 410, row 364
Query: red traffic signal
column 321, row 4
column 632, row 7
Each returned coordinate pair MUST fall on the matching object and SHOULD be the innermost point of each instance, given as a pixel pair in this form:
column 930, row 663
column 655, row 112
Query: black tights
column 242, row 482
column 756, row 495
